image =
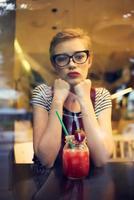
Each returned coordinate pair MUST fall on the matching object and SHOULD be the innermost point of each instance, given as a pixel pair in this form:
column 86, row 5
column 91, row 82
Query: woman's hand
column 61, row 90
column 82, row 90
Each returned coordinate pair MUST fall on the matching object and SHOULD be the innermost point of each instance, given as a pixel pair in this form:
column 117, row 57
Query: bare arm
column 99, row 132
column 46, row 126
column 46, row 133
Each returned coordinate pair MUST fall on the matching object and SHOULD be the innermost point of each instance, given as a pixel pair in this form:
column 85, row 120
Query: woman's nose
column 72, row 64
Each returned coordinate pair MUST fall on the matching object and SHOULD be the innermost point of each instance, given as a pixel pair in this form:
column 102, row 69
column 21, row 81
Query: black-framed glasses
column 78, row 57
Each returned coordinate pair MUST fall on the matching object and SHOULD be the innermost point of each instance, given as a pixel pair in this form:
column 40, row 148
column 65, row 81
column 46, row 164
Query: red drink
column 76, row 161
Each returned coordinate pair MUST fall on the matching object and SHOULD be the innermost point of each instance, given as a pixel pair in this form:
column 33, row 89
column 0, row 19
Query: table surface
column 115, row 181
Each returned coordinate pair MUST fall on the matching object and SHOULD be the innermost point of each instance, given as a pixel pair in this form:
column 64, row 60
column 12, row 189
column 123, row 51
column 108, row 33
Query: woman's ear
column 53, row 64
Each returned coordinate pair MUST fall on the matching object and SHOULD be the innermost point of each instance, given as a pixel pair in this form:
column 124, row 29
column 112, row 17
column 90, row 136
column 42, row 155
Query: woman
column 71, row 56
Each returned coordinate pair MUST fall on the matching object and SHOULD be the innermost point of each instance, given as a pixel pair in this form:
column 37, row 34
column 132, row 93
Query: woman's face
column 73, row 72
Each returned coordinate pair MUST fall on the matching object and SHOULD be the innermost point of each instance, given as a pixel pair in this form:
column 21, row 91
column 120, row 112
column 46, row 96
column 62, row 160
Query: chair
column 123, row 148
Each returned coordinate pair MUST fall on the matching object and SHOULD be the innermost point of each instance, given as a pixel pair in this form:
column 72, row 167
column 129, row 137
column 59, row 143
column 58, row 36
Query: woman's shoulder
column 43, row 90
column 102, row 100
column 42, row 95
column 102, row 91
column 102, row 94
column 42, row 87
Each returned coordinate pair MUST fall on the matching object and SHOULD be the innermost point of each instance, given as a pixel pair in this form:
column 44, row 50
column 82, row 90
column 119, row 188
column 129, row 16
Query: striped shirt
column 42, row 96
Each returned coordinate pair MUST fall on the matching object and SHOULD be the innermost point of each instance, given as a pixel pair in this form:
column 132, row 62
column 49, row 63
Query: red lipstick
column 73, row 74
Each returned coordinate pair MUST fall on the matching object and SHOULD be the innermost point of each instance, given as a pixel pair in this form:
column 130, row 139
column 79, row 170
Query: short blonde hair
column 67, row 34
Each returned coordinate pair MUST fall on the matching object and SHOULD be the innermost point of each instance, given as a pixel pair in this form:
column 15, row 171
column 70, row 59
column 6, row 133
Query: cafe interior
column 26, row 28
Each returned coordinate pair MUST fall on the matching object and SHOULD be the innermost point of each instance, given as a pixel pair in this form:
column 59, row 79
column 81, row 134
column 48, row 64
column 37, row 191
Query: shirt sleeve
column 106, row 99
column 103, row 100
column 42, row 96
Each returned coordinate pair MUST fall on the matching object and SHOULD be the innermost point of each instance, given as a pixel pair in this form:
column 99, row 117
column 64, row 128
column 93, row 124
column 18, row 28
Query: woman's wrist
column 86, row 107
column 57, row 103
column 84, row 102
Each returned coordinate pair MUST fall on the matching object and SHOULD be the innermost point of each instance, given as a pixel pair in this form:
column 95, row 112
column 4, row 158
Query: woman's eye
column 61, row 58
column 79, row 57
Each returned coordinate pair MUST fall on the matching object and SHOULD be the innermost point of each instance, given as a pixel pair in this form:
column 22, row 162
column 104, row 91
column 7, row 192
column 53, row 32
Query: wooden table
column 113, row 182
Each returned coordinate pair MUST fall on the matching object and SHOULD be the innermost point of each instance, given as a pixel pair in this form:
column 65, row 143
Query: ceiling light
column 23, row 5
column 125, row 16
column 32, row 4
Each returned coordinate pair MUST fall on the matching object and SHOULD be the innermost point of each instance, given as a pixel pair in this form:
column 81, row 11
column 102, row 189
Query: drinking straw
column 64, row 128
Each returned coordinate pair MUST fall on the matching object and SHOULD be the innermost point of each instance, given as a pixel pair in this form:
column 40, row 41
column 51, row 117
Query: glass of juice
column 75, row 158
